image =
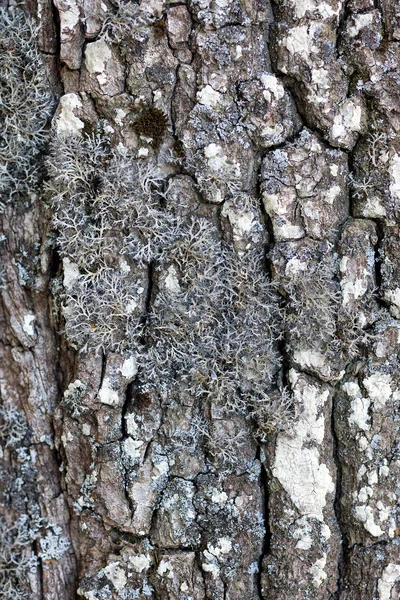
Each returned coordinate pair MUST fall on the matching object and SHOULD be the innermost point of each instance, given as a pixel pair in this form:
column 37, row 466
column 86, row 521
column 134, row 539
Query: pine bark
column 282, row 132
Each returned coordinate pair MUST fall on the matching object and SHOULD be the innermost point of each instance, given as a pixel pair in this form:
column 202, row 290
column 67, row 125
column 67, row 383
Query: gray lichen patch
column 304, row 189
column 25, row 108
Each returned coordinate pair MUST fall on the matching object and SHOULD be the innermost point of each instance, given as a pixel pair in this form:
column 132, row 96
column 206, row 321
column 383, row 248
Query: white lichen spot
column 352, row 290
column 372, row 208
column 238, row 52
column 212, row 150
column 242, row 221
column 224, row 545
column 69, row 17
column 67, row 123
column 301, row 7
column 393, row 296
column 300, row 40
column 295, row 266
column 97, row 54
column 318, row 572
column 171, row 281
column 212, row 568
column 273, row 89
column 352, row 389
column 390, row 576
column 124, row 266
column 28, row 324
column 107, row 395
column 132, row 448
column 279, row 207
column 120, row 114
column 359, row 406
column 86, row 429
column 297, row 463
column 348, row 120
column 90, row 595
column 253, row 568
column 324, row 9
column 309, row 358
column 394, row 172
column 384, row 471
column 363, row 494
column 217, row 160
column 129, row 368
column 372, row 476
column 161, row 468
column 71, row 273
column 334, row 169
column 360, row 21
column 331, row 194
column 219, row 497
column 378, row 388
column 392, row 528
column 303, row 534
column 140, row 562
column 325, row 531
column 165, row 568
column 320, row 78
column 131, row 425
column 116, row 575
column 384, row 511
column 214, row 554
column 361, row 472
column 54, row 545
column 366, row 516
column 209, row 96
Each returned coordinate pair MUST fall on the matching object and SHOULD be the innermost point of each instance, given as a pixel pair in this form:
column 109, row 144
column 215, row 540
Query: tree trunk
column 200, row 300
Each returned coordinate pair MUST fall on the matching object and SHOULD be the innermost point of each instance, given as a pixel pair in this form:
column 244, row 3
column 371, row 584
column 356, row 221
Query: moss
column 152, row 123
column 159, row 28
column 179, row 149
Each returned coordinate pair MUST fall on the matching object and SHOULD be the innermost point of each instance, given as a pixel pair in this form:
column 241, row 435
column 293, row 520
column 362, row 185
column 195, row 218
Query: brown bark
column 273, row 473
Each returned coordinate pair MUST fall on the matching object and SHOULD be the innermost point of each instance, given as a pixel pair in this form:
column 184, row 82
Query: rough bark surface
column 276, row 127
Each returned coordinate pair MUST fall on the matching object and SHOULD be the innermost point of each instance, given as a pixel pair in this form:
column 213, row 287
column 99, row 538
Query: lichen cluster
column 25, row 106
column 213, row 323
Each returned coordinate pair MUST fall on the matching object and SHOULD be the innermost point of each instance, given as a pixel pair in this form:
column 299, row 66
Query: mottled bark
column 274, row 128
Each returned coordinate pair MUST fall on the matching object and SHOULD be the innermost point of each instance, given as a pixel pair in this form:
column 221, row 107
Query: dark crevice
column 57, row 54
column 150, row 286
column 378, row 257
column 39, row 567
column 129, row 394
column 343, row 17
column 103, row 369
column 344, row 547
column 268, row 534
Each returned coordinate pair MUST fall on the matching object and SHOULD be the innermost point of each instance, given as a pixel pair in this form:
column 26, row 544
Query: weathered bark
column 272, row 472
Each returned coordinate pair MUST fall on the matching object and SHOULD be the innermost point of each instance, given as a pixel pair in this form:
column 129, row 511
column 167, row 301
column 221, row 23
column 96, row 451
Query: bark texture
column 200, row 303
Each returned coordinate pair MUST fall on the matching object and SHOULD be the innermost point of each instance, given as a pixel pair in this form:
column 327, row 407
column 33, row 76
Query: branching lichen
column 25, row 106
column 211, row 332
column 16, row 560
